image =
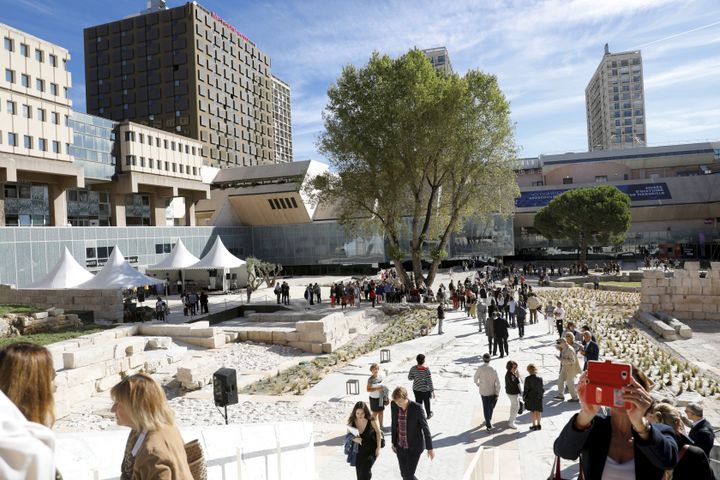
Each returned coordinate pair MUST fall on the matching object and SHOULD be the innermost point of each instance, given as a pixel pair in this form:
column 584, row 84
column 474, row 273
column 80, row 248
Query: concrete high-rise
column 187, row 71
column 615, row 102
column 439, row 59
column 283, row 121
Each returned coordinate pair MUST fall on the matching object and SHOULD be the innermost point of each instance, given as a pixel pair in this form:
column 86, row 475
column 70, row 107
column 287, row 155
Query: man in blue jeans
column 486, row 378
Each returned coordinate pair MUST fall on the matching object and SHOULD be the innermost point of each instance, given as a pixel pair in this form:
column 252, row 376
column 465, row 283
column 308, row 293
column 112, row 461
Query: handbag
column 196, row 460
column 555, row 472
column 521, row 407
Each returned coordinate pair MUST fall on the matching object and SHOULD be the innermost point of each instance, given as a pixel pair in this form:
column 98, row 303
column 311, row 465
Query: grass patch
column 54, row 337
column 17, row 309
column 298, row 379
column 621, row 284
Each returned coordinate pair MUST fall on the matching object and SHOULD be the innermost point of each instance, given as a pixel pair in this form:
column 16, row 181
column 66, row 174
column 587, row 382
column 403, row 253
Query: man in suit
column 410, row 433
column 701, row 432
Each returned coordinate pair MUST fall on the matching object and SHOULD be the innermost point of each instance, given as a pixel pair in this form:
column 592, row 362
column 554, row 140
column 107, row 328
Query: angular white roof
column 66, row 273
column 178, row 259
column 117, row 273
column 217, row 257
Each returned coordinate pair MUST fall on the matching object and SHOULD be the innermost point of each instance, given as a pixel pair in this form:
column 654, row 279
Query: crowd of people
column 645, row 439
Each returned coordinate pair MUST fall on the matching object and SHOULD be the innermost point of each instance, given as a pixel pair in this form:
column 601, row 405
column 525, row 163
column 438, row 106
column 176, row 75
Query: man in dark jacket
column 500, row 328
column 521, row 315
column 590, row 349
column 701, row 432
column 410, row 433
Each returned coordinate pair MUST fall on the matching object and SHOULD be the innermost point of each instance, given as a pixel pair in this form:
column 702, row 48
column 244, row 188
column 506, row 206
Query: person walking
column 500, row 326
column 569, row 367
column 440, row 317
column 204, row 302
column 533, row 304
column 422, row 384
column 278, row 292
column 533, row 396
column 512, row 389
column 559, row 314
column 550, row 317
column 376, row 392
column 512, row 308
column 410, row 433
column 160, row 309
column 490, row 333
column 368, row 439
column 488, row 383
column 248, row 291
column 521, row 315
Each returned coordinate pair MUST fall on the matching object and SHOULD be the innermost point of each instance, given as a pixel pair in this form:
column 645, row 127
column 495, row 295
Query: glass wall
column 26, row 204
column 92, row 147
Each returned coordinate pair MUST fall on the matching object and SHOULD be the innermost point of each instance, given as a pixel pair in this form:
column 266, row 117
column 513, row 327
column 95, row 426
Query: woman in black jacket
column 533, row 392
column 692, row 462
column 512, row 388
column 623, row 444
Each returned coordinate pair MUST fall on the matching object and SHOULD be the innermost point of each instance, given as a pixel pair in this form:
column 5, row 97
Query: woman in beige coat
column 154, row 450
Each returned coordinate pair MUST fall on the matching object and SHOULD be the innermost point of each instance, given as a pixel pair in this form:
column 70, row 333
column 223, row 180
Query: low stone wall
column 105, row 304
column 94, row 363
column 613, row 288
column 684, row 295
column 51, row 320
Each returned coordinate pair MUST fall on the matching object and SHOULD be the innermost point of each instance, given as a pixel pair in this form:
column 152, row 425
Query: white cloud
column 689, row 72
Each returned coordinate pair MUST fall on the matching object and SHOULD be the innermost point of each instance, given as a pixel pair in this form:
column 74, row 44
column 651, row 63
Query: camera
column 605, row 382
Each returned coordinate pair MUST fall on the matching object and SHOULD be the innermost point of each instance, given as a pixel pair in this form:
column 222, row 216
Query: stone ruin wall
column 685, row 295
column 105, row 304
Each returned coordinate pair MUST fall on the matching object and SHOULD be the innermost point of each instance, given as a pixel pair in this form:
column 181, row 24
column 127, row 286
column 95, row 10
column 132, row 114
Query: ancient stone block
column 260, row 336
column 87, row 356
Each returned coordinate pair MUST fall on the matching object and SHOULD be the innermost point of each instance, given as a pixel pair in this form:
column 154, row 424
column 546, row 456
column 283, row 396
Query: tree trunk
column 583, row 253
column 417, row 267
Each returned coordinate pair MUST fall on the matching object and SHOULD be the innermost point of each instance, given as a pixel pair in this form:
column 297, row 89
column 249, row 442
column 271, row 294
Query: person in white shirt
column 559, row 314
column 488, row 382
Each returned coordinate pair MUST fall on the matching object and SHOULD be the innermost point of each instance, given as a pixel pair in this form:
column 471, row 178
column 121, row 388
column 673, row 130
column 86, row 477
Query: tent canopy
column 117, row 273
column 217, row 257
column 66, row 273
column 178, row 259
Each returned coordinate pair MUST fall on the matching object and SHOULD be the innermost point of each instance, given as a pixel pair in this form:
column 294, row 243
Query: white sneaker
column 512, row 425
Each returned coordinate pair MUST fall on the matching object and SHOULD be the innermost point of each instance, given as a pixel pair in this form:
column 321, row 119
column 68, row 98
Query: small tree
column 260, row 271
column 588, row 216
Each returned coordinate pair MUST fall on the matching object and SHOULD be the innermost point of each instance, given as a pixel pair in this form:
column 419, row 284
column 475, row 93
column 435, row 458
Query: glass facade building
column 92, row 146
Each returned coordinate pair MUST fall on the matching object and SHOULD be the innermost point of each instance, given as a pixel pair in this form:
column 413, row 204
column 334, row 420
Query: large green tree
column 593, row 216
column 416, row 152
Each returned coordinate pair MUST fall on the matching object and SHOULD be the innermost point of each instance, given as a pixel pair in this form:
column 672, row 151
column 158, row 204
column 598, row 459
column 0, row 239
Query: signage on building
column 636, row 192
column 217, row 17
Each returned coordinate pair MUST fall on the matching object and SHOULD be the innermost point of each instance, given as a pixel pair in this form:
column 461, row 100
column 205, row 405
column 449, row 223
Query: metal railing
column 478, row 468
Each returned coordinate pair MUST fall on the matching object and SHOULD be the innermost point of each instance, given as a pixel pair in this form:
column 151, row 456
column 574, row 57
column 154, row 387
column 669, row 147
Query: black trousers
column 363, row 465
column 503, row 342
column 492, row 345
column 559, row 326
column 423, row 398
column 408, row 461
column 521, row 327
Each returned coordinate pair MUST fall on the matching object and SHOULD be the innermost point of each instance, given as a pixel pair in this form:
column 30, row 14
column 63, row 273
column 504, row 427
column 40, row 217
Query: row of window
column 29, row 142
column 624, row 63
column 133, row 160
column 27, row 112
column 167, row 144
column 26, row 81
column 39, row 54
column 282, row 203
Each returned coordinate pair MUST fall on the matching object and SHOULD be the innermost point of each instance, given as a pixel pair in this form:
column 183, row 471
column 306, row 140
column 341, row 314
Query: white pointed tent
column 66, row 273
column 173, row 264
column 225, row 263
column 178, row 259
column 117, row 273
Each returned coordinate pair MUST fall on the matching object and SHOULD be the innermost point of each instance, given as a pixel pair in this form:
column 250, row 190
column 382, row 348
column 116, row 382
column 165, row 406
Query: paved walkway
column 456, row 426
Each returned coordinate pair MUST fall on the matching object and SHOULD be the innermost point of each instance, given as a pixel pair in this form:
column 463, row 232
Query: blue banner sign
column 636, row 192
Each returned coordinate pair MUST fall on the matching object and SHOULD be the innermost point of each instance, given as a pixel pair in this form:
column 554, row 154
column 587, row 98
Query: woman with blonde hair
column 155, row 449
column 692, row 462
column 27, row 411
column 533, row 392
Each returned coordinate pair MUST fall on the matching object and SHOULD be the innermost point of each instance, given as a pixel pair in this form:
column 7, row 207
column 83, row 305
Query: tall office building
column 439, row 59
column 615, row 102
column 187, row 71
column 283, row 121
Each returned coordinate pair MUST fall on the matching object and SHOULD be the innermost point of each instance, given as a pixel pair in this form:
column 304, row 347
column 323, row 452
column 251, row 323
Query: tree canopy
column 416, row 152
column 593, row 216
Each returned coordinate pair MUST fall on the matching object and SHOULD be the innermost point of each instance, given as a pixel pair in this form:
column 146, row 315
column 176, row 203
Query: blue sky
column 543, row 52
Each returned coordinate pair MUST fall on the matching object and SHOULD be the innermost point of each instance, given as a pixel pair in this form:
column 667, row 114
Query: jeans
column 514, row 405
column 423, row 398
column 488, row 402
column 492, row 345
column 559, row 325
column 408, row 460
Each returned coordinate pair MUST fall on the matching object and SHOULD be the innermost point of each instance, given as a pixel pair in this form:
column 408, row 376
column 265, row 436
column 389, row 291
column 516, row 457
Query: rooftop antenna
column 607, row 48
